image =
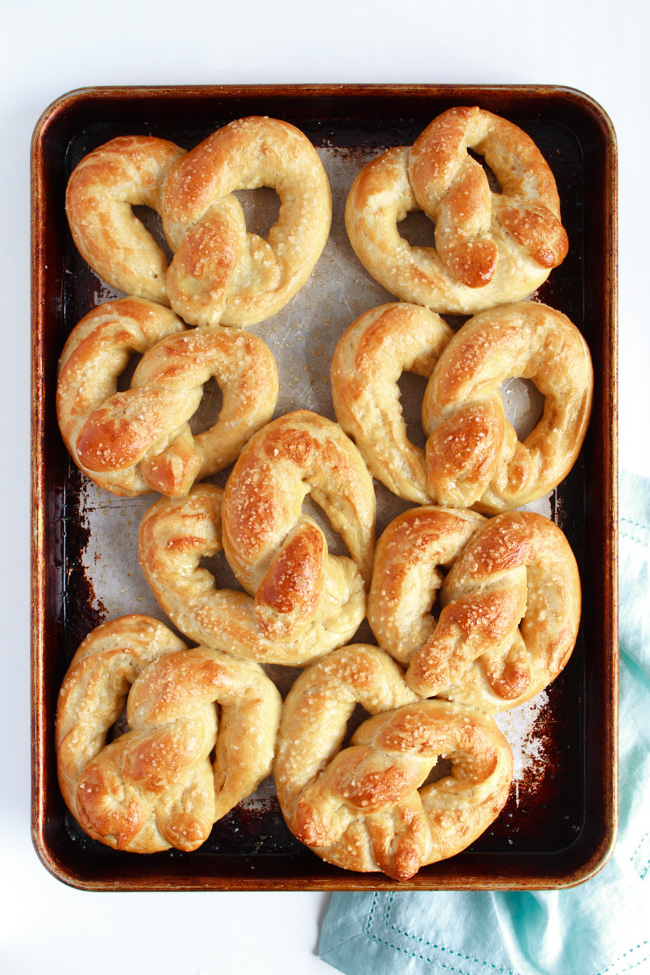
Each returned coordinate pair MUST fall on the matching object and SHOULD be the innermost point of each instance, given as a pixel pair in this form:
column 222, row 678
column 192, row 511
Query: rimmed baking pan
column 559, row 825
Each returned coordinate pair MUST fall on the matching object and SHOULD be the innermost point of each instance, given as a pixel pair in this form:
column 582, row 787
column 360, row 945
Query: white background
column 49, row 48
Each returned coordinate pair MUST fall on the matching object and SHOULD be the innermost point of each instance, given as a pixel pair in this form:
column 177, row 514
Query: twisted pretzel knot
column 155, row 786
column 367, row 364
column 277, row 552
column 139, row 440
column 510, row 603
column 490, row 247
column 219, row 273
column 367, row 807
column 176, row 534
column 473, row 454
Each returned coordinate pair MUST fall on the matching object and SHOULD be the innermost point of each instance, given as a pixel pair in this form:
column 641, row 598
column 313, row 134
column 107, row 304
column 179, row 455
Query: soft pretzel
column 125, row 172
column 177, row 534
column 367, row 364
column 139, row 439
column 473, row 455
column 367, row 807
column 509, row 605
column 221, row 273
column 412, row 555
column 156, row 786
column 490, row 247
column 277, row 552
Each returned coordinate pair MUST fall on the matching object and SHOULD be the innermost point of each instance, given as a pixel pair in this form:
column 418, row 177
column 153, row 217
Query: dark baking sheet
column 559, row 824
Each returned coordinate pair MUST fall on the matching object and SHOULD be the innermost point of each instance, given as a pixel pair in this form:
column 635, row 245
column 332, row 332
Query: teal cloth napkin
column 601, row 927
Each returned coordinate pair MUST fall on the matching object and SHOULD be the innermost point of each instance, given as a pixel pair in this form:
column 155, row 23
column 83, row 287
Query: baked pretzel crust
column 368, row 361
column 509, row 608
column 473, row 455
column 102, row 190
column 178, row 535
column 490, row 247
column 368, row 807
column 277, row 552
column 220, row 273
column 139, row 440
column 156, row 786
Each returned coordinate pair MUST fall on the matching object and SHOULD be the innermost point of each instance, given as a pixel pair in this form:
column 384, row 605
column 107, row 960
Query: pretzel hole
column 436, row 607
column 153, row 225
column 213, row 752
column 417, row 229
column 261, row 208
column 440, row 770
column 524, row 405
column 119, row 728
column 218, row 567
column 358, row 716
column 412, row 388
column 335, row 544
column 493, row 182
column 209, row 408
column 125, row 377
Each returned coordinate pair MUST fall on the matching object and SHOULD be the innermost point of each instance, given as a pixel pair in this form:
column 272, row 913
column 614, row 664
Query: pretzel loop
column 490, row 247
column 155, row 786
column 127, row 171
column 368, row 361
column 473, row 454
column 139, row 440
column 509, row 603
column 178, row 536
column 275, row 550
column 367, row 807
column 220, row 273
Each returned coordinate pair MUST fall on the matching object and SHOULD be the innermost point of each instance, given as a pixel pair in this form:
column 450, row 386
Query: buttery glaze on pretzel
column 473, row 455
column 367, row 807
column 177, row 534
column 139, row 440
column 280, row 554
column 127, row 171
column 490, row 247
column 367, row 364
column 155, row 786
column 220, row 273
column 509, row 604
column 412, row 555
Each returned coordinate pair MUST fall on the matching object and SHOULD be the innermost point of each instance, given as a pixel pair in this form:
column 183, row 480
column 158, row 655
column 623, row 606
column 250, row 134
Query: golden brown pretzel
column 412, row 555
column 278, row 553
column 366, row 807
column 490, row 247
column 474, row 457
column 125, row 172
column 368, row 361
column 156, row 785
column 509, row 604
column 219, row 272
column 177, row 534
column 139, row 440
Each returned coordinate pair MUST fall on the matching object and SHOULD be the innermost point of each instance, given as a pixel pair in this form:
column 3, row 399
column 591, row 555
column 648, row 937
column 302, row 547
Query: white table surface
column 51, row 48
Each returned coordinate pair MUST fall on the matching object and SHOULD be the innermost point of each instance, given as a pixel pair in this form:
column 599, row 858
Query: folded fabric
column 601, row 927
